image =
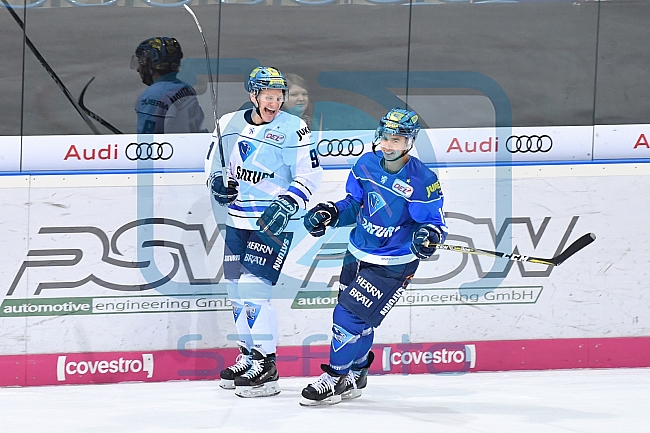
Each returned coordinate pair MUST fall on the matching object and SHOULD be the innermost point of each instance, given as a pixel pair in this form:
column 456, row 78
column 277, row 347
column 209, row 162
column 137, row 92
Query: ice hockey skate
column 326, row 390
column 242, row 364
column 356, row 380
column 261, row 379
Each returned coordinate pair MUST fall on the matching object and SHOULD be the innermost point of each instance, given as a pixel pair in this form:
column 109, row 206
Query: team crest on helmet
column 245, row 149
column 375, row 202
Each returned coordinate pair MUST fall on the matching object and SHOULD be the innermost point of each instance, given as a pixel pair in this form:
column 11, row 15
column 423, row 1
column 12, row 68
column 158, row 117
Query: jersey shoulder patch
column 424, row 181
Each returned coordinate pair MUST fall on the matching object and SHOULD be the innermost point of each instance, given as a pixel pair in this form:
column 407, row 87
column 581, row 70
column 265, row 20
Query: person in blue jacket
column 167, row 105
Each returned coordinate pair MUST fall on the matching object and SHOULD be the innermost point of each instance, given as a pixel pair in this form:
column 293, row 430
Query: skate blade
column 265, row 390
column 325, row 402
column 349, row 395
column 227, row 384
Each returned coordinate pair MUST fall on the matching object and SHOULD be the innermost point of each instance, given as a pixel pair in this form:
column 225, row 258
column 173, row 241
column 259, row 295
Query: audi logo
column 529, row 143
column 149, row 151
column 336, row 147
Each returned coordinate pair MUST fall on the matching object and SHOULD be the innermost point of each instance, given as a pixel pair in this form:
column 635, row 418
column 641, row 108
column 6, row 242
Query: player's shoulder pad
column 424, row 181
column 226, row 120
column 364, row 164
column 296, row 130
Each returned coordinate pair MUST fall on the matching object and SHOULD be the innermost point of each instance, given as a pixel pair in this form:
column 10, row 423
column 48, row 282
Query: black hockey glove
column 276, row 217
column 423, row 240
column 320, row 217
column 222, row 194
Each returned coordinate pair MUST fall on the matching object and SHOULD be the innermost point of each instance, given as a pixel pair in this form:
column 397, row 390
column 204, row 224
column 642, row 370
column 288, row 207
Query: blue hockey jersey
column 389, row 208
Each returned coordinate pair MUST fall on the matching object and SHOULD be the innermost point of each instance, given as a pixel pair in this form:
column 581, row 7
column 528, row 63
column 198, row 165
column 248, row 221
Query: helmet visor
column 136, row 61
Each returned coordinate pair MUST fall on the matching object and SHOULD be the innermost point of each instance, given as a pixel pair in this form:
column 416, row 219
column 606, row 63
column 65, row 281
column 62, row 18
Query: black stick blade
column 576, row 246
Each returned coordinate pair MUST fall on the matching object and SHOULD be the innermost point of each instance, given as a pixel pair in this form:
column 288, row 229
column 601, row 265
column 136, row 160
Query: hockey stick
column 93, row 115
column 576, row 246
column 49, row 70
column 213, row 91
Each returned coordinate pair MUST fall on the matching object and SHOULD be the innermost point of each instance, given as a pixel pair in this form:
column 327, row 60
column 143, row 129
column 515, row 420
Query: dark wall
column 558, row 62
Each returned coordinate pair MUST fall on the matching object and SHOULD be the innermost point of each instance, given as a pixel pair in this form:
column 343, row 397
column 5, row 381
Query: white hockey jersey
column 266, row 160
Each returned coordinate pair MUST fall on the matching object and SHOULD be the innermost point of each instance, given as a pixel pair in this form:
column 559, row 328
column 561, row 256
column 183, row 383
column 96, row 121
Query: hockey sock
column 260, row 316
column 365, row 344
column 347, row 342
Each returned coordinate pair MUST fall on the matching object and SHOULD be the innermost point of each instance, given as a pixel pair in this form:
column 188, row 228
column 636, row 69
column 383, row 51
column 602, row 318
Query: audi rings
column 529, row 143
column 149, row 151
column 340, row 147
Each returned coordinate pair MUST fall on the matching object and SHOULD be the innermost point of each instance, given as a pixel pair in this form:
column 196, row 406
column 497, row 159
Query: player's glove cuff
column 424, row 240
column 276, row 217
column 318, row 218
column 224, row 195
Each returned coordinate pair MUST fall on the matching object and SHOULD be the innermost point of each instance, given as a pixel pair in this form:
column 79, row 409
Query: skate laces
column 351, row 379
column 323, row 383
column 241, row 363
column 255, row 368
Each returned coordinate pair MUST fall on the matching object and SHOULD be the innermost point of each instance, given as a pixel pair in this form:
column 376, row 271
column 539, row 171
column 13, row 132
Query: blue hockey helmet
column 399, row 121
column 266, row 77
column 165, row 54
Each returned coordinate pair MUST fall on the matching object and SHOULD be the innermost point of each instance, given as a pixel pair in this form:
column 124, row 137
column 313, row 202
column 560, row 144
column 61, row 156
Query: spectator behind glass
column 298, row 103
column 168, row 105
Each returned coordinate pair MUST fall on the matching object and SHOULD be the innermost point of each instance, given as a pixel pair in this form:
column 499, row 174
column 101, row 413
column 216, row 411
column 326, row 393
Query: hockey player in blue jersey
column 168, row 105
column 395, row 203
column 272, row 171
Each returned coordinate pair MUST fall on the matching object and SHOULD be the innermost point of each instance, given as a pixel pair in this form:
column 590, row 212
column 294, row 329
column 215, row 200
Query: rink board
column 448, row 146
column 102, row 267
column 415, row 358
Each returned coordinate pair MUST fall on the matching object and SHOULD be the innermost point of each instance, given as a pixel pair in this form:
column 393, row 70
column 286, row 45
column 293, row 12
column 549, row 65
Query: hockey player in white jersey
column 395, row 203
column 272, row 171
column 167, row 105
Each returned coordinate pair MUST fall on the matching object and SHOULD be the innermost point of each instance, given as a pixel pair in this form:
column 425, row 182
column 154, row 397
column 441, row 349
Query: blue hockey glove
column 423, row 240
column 276, row 217
column 319, row 217
column 222, row 194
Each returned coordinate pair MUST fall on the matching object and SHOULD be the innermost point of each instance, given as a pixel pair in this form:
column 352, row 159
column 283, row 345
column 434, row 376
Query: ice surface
column 589, row 401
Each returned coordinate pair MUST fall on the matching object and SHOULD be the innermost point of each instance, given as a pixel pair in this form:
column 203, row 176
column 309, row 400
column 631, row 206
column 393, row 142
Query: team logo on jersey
column 275, row 136
column 252, row 311
column 245, row 149
column 384, row 179
column 402, row 188
column 375, row 202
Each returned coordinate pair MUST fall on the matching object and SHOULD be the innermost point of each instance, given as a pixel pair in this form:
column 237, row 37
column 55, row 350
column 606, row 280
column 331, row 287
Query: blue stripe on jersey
column 298, row 192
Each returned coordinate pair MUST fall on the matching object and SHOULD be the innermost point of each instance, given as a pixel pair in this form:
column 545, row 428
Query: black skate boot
column 326, row 390
column 357, row 379
column 243, row 362
column 261, row 379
